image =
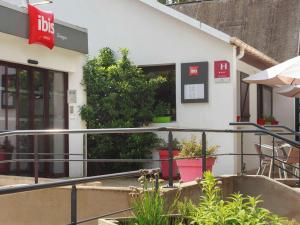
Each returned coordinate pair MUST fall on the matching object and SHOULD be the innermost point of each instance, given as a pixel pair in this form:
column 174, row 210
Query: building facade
column 35, row 82
column 160, row 38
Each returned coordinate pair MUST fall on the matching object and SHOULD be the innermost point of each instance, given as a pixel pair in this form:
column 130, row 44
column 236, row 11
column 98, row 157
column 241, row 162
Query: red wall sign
column 41, row 27
column 194, row 70
column 222, row 69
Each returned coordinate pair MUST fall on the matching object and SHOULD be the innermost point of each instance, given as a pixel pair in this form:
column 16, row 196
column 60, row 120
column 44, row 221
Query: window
column 166, row 93
column 264, row 101
column 244, row 98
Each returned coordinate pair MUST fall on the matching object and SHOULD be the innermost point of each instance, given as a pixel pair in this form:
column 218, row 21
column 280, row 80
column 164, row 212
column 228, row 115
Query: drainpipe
column 254, row 53
column 241, row 53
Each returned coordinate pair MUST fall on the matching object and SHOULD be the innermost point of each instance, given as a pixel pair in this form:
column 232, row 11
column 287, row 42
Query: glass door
column 39, row 117
column 33, row 98
column 56, row 120
column 24, row 109
column 297, row 116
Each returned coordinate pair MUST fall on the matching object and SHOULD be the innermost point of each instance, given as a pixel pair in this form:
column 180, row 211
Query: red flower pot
column 274, row 122
column 191, row 169
column 261, row 122
column 164, row 154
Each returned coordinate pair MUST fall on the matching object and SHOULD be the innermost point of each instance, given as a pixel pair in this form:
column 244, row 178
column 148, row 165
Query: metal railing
column 73, row 182
column 274, row 135
column 259, row 130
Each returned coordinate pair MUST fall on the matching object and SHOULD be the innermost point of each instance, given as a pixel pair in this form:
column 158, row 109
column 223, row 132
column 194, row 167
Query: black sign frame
column 193, row 74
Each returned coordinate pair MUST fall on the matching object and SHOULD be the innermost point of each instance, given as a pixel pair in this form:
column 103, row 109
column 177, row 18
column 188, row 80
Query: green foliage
column 149, row 204
column 193, row 148
column 119, row 95
column 237, row 210
column 270, row 119
column 162, row 109
column 164, row 145
column 149, row 207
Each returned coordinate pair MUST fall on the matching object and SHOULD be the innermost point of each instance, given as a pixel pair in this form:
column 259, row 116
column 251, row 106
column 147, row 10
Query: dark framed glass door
column 297, row 116
column 34, row 99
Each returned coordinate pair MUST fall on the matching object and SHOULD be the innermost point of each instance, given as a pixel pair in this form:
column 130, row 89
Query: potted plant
column 271, row 120
column 261, row 121
column 164, row 155
column 189, row 160
column 162, row 112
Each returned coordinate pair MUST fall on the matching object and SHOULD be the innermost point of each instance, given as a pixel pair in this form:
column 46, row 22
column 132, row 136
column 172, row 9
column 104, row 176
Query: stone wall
column 271, row 26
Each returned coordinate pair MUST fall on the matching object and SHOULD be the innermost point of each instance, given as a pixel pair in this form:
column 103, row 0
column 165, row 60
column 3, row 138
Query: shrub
column 119, row 95
column 148, row 204
column 237, row 210
column 149, row 207
column 192, row 148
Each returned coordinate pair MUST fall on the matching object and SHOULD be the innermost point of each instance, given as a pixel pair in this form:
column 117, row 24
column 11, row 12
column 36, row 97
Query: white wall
column 251, row 162
column 17, row 50
column 154, row 38
column 284, row 109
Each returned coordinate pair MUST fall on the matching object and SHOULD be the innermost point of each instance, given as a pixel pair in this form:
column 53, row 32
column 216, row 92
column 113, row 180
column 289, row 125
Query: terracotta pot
column 191, row 169
column 164, row 154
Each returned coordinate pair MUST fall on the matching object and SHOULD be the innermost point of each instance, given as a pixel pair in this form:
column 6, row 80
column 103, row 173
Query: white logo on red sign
column 41, row 27
column 194, row 70
column 45, row 25
column 222, row 69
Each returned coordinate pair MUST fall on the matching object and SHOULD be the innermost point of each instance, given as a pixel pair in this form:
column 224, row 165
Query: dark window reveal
column 166, row 94
column 244, row 98
column 264, row 101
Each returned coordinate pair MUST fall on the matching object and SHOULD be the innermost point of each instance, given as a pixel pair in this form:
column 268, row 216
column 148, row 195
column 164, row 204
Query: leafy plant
column 119, row 95
column 162, row 144
column 162, row 109
column 149, row 206
column 270, row 119
column 193, row 148
column 237, row 210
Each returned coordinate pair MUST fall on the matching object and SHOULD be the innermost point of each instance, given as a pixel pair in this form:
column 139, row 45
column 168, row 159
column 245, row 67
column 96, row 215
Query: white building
column 157, row 36
column 34, row 86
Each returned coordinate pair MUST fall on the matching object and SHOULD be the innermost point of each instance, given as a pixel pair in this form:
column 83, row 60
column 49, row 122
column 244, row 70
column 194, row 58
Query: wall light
column 40, row 3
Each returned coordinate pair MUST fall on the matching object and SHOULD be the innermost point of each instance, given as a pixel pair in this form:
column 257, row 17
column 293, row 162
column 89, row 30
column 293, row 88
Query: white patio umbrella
column 284, row 73
column 290, row 91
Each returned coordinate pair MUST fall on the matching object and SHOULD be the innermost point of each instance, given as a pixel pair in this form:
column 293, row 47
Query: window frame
column 147, row 69
column 260, row 102
column 245, row 118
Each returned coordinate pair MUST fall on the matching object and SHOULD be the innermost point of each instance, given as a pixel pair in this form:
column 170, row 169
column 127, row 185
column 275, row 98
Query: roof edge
column 23, row 9
column 188, row 20
column 253, row 52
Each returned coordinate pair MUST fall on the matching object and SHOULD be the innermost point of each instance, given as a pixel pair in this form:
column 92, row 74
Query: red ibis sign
column 41, row 27
column 194, row 70
column 222, row 70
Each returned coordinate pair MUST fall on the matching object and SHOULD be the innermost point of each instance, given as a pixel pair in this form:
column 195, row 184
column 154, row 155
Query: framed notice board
column 194, row 82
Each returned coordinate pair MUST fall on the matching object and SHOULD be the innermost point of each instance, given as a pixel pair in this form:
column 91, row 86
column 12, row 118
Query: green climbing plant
column 119, row 95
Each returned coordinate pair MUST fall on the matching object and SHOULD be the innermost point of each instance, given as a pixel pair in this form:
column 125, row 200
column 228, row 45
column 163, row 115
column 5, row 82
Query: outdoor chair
column 266, row 160
column 291, row 161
